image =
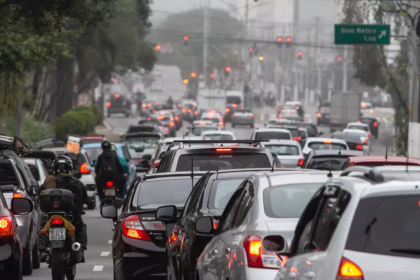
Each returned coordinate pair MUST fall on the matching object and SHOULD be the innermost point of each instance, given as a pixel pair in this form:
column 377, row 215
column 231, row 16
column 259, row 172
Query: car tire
column 92, row 205
column 36, row 262
column 27, row 268
column 15, row 273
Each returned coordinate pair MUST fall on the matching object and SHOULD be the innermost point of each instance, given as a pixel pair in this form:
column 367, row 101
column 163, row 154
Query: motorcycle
column 64, row 252
column 110, row 196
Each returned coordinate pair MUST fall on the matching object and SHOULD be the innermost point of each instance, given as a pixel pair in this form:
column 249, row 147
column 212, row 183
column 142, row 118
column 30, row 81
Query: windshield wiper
column 407, row 251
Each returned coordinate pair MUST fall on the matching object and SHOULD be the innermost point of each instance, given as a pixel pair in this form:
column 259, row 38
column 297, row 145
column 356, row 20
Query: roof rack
column 182, row 142
column 12, row 143
column 368, row 173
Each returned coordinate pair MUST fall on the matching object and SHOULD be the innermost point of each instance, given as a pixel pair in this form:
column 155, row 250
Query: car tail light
column 109, row 184
column 171, row 124
column 280, row 116
column 17, row 195
column 155, row 225
column 166, row 130
column 375, row 124
column 369, row 135
column 176, row 118
column 366, row 142
column 57, row 221
column 154, row 111
column 221, row 124
column 172, row 119
column 349, row 270
column 6, row 228
column 132, row 228
column 143, row 105
column 327, row 142
column 108, row 104
column 359, row 147
column 297, row 138
column 157, row 102
column 184, row 110
column 189, row 110
column 257, row 256
column 223, row 150
column 234, row 116
column 371, row 111
column 84, row 168
column 300, row 162
column 195, row 113
column 359, row 121
column 318, row 115
column 215, row 224
column 234, row 105
column 227, row 110
column 117, row 95
column 149, row 105
column 252, row 115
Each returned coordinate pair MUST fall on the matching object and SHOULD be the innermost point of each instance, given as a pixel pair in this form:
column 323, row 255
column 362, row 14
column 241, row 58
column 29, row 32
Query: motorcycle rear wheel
column 57, row 264
column 71, row 272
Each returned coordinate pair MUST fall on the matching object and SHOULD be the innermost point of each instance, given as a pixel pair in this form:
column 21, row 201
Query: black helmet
column 106, row 145
column 62, row 164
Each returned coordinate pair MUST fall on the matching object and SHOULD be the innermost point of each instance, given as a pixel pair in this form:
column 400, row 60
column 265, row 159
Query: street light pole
column 206, row 39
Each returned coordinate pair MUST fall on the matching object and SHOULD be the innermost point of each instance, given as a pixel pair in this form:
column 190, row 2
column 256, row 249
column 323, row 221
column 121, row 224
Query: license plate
column 57, row 234
column 110, row 192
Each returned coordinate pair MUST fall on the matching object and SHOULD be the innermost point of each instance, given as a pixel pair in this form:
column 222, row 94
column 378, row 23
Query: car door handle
column 227, row 251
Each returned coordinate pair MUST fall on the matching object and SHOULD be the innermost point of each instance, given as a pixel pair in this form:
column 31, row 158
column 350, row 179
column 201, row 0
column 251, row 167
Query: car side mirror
column 275, row 243
column 147, row 157
column 21, row 206
column 204, row 225
column 166, row 213
column 109, row 212
column 321, row 133
column 33, row 190
column 144, row 164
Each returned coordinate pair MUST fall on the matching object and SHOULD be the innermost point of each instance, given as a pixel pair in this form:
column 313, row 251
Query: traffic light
column 279, row 41
column 339, row 58
column 299, row 53
column 193, row 75
column 261, row 58
column 186, row 40
column 212, row 75
column 227, row 71
column 185, row 81
column 158, row 47
column 288, row 41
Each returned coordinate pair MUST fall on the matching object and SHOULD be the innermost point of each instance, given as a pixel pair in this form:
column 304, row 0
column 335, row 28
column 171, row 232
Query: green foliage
column 80, row 120
column 32, row 130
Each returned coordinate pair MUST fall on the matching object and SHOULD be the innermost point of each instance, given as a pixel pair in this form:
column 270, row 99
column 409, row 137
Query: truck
column 211, row 99
column 345, row 108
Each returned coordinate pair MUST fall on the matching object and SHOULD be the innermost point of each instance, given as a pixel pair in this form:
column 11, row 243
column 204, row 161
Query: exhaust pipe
column 76, row 247
column 76, row 254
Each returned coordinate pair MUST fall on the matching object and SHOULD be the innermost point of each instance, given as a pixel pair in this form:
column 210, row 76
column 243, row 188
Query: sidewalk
column 108, row 133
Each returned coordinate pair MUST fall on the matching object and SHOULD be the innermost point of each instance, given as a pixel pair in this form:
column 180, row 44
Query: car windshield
column 272, row 135
column 326, row 146
column 288, row 201
column 196, row 131
column 233, row 100
column 172, row 191
column 93, row 153
column 387, row 225
column 284, row 150
column 188, row 106
column 358, row 127
column 218, row 137
column 147, row 143
column 222, row 162
column 135, row 129
column 221, row 192
column 327, row 163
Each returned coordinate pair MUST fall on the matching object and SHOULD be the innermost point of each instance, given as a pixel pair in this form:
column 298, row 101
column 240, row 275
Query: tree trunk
column 65, row 85
column 17, row 123
column 3, row 125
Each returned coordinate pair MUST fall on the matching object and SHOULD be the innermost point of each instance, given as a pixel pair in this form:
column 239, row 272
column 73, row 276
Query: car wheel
column 92, row 205
column 15, row 272
column 27, row 259
column 36, row 262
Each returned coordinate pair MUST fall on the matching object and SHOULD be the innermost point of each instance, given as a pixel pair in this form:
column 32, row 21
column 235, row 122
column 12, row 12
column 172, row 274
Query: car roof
column 355, row 131
column 172, row 175
column 273, row 130
column 359, row 124
column 382, row 159
column 220, row 132
column 281, row 141
column 317, row 139
column 343, row 153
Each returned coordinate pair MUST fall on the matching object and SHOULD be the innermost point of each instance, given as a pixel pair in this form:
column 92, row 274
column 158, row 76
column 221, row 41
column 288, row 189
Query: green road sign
column 362, row 34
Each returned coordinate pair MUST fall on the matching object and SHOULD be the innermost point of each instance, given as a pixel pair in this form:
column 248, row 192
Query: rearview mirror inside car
column 166, row 213
column 321, row 133
column 109, row 212
column 147, row 156
column 21, row 206
column 274, row 243
column 139, row 149
column 204, row 225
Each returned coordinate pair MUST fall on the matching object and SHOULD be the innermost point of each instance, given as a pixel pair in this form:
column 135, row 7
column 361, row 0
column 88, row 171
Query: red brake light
column 252, row 115
column 227, row 110
column 132, row 228
column 375, row 124
column 369, row 135
column 234, row 105
column 297, row 138
column 300, row 162
column 318, row 115
column 366, row 142
column 223, row 150
column 221, row 124
column 6, row 228
column 117, row 95
column 17, row 195
column 179, row 105
column 143, row 105
column 349, row 270
column 327, row 142
column 57, row 221
column 359, row 147
column 215, row 224
column 280, row 116
column 84, row 168
column 109, row 184
column 359, row 121
column 195, row 113
column 176, row 118
column 171, row 124
column 257, row 256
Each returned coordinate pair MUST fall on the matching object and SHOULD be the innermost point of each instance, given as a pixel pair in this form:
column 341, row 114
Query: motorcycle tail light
column 109, row 184
column 57, row 221
column 132, row 228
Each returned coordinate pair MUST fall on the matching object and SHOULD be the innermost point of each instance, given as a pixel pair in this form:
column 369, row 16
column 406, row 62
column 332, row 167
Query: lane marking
column 98, row 268
column 104, row 254
column 262, row 116
column 109, row 241
column 107, row 125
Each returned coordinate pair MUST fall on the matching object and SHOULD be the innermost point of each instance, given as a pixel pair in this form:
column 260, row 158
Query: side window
column 129, row 195
column 244, row 207
column 34, row 171
column 163, row 164
column 28, row 171
column 126, row 154
column 231, row 209
column 345, row 165
column 195, row 194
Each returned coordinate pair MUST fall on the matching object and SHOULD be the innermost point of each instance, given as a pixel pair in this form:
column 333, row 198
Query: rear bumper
column 259, row 273
column 6, row 250
column 242, row 121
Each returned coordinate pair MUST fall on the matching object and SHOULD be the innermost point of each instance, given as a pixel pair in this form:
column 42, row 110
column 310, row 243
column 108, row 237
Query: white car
column 288, row 152
column 156, row 87
column 271, row 134
column 37, row 168
column 313, row 143
column 218, row 135
column 363, row 136
column 366, row 109
column 215, row 118
column 360, row 126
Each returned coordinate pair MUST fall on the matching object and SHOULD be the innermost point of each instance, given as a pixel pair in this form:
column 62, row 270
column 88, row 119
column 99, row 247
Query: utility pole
column 345, row 69
column 206, row 39
column 294, row 36
column 316, row 52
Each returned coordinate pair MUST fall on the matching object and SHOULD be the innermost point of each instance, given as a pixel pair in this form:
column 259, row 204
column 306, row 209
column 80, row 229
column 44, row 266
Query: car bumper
column 139, row 259
column 6, row 250
column 259, row 273
column 323, row 120
column 242, row 121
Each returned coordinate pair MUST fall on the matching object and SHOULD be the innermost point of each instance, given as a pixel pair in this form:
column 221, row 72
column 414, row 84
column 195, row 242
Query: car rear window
column 172, row 191
column 360, row 127
column 221, row 192
column 198, row 130
column 284, row 150
column 387, row 225
column 7, row 174
column 134, row 129
column 233, row 100
column 272, row 135
column 222, row 162
column 326, row 146
column 93, row 153
column 327, row 163
column 288, row 201
column 218, row 137
column 34, row 171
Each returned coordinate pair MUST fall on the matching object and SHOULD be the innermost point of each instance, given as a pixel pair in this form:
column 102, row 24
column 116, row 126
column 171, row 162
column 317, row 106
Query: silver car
column 288, row 152
column 265, row 205
column 243, row 117
column 37, row 169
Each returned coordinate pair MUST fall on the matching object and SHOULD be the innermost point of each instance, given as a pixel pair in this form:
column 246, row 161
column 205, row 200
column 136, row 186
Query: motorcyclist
column 170, row 101
column 109, row 168
column 62, row 168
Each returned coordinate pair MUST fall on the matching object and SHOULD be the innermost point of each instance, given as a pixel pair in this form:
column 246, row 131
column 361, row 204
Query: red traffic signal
column 212, row 76
column 158, row 47
column 299, row 53
column 251, row 49
column 279, row 39
column 193, row 75
column 227, row 69
column 339, row 58
column 185, row 38
column 288, row 39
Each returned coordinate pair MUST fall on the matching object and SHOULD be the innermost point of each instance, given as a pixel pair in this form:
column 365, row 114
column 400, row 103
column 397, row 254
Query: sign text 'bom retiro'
column 362, row 34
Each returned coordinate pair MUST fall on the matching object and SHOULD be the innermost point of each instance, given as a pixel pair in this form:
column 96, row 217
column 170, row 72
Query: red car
column 374, row 161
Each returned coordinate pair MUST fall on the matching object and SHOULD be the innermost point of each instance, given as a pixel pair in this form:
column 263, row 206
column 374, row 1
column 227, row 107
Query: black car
column 167, row 119
column 312, row 129
column 208, row 198
column 353, row 140
column 11, row 265
column 208, row 155
column 119, row 104
column 139, row 240
column 329, row 159
column 142, row 128
column 323, row 115
column 373, row 124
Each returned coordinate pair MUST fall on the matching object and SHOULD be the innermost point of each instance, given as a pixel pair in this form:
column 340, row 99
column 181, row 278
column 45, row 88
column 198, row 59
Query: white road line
column 98, row 268
column 262, row 116
column 104, row 254
column 107, row 125
column 109, row 241
column 307, row 115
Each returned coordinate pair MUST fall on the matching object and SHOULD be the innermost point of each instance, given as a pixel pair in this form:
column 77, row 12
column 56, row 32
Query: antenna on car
column 406, row 164
column 329, row 175
column 339, row 151
column 386, row 152
column 272, row 167
column 192, row 173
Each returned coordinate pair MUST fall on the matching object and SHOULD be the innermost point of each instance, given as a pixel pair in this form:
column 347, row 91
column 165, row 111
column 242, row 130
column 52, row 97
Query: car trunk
column 283, row 226
column 289, row 161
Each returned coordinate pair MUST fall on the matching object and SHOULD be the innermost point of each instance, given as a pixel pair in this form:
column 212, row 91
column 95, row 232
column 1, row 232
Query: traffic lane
column 119, row 123
column 98, row 256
